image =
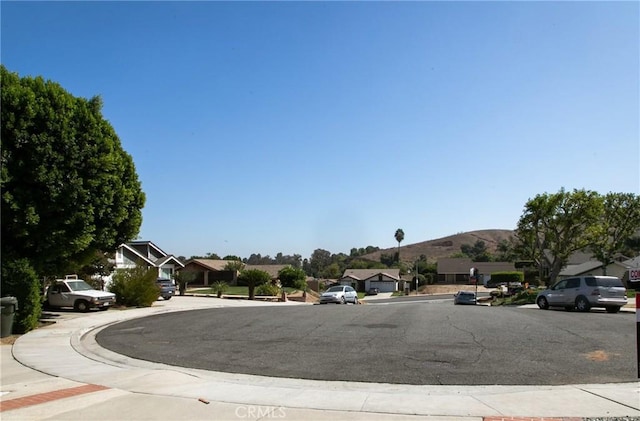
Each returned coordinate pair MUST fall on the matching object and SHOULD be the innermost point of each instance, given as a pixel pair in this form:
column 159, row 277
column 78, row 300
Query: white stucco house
column 386, row 280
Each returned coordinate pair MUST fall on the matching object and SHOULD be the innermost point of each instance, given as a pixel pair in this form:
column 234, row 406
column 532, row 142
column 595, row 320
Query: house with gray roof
column 616, row 268
column 145, row 253
column 208, row 271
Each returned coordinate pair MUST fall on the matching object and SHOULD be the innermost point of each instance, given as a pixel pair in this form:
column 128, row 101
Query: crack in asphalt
column 473, row 337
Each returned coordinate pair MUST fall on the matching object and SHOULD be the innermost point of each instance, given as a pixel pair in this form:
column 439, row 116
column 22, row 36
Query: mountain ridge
column 445, row 246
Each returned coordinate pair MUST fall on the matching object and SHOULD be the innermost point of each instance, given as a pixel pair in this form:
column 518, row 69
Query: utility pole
column 634, row 283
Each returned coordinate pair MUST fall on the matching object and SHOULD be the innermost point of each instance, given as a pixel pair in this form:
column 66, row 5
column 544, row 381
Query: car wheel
column 81, row 305
column 543, row 303
column 613, row 309
column 582, row 304
column 355, row 300
column 342, row 300
column 168, row 297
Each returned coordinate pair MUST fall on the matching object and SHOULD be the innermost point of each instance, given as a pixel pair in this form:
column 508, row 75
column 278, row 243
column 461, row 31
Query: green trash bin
column 8, row 307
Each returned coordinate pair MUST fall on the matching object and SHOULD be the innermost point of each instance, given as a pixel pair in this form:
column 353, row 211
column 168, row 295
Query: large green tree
column 553, row 226
column 235, row 265
column 252, row 278
column 293, row 277
column 505, row 251
column 319, row 261
column 618, row 222
column 68, row 187
column 477, row 252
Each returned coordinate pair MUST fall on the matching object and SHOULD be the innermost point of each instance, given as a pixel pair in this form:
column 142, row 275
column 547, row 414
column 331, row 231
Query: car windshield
column 335, row 289
column 79, row 286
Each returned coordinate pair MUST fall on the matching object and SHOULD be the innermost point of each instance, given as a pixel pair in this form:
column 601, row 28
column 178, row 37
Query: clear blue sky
column 266, row 127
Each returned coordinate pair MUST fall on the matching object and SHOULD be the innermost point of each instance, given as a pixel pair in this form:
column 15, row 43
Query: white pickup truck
column 76, row 293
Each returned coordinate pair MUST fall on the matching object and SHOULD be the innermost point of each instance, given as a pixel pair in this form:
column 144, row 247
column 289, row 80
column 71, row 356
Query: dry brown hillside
column 446, row 246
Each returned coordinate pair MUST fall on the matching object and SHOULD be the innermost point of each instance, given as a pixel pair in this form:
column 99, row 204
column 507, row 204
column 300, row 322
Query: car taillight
column 595, row 292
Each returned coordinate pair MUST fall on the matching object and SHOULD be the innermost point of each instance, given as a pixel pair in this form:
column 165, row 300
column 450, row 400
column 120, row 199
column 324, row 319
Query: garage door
column 383, row 286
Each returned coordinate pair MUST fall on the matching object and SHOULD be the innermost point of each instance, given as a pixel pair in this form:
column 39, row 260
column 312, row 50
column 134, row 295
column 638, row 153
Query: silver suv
column 584, row 292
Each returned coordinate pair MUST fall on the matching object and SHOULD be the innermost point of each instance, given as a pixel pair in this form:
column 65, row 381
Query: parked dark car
column 167, row 288
column 464, row 297
column 373, row 291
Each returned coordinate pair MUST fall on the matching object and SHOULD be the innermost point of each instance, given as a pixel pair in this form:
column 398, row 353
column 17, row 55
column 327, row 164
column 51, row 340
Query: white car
column 339, row 294
column 76, row 293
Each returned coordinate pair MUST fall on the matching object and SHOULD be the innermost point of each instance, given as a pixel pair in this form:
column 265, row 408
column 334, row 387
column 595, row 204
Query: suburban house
column 453, row 270
column 137, row 253
column 272, row 270
column 619, row 268
column 386, row 280
column 208, row 271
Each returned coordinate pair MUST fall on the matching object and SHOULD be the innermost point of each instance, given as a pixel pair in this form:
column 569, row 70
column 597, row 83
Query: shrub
column 253, row 278
column 20, row 280
column 219, row 287
column 268, row 289
column 293, row 278
column 498, row 278
column 135, row 287
column 183, row 277
column 301, row 284
column 527, row 296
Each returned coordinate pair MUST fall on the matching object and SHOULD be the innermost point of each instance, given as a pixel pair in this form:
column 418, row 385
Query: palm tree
column 399, row 237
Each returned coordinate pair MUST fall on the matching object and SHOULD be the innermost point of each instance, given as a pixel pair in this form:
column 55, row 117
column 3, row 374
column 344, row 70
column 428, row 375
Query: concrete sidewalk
column 60, row 373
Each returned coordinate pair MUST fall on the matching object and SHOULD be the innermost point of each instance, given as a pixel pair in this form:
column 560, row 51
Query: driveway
column 380, row 296
column 427, row 343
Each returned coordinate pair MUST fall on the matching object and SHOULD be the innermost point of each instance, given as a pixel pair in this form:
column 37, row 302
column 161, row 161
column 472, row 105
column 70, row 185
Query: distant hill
column 445, row 246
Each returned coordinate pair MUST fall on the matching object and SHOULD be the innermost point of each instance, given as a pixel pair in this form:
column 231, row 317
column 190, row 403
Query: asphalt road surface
column 429, row 343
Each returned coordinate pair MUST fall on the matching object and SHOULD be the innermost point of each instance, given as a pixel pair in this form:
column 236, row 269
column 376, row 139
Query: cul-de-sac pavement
column 422, row 343
column 209, row 358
